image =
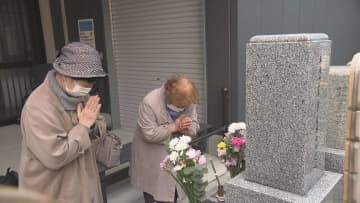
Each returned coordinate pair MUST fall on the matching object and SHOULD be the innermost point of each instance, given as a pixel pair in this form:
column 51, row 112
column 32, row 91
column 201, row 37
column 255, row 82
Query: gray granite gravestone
column 336, row 122
column 338, row 93
column 286, row 75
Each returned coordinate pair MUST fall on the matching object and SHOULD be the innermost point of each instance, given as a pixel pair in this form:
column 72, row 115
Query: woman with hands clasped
column 60, row 123
column 163, row 113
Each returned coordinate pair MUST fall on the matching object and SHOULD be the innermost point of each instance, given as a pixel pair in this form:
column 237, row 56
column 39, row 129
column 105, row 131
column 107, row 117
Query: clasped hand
column 87, row 115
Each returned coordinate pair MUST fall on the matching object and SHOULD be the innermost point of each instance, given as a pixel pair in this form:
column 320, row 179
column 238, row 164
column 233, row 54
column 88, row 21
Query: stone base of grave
column 334, row 159
column 327, row 190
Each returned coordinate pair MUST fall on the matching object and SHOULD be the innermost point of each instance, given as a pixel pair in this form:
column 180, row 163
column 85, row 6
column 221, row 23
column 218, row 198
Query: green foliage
column 191, row 181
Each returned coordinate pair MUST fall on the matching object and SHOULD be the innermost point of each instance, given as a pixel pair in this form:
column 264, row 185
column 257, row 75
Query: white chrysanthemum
column 173, row 142
column 173, row 156
column 191, row 153
column 236, row 126
column 183, row 143
column 242, row 126
column 178, row 168
column 181, row 146
column 185, row 139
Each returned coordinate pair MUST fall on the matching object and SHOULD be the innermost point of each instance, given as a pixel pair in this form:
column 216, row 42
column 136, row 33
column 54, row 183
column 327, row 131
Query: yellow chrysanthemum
column 221, row 145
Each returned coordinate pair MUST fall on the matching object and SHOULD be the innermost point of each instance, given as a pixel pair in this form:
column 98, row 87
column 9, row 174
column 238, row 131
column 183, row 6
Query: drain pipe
column 352, row 144
column 225, row 106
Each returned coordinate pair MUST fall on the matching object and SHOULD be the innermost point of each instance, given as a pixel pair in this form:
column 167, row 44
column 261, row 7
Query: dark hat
column 79, row 60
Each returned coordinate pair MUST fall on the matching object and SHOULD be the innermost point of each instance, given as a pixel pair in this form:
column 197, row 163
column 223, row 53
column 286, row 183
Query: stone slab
column 327, row 190
column 337, row 106
column 323, row 111
column 289, row 38
column 282, row 87
column 334, row 159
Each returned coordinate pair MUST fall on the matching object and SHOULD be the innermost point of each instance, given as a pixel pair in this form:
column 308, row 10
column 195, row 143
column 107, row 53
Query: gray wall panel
column 217, row 51
column 274, row 9
column 306, row 18
column 320, row 21
column 249, row 22
column 292, row 12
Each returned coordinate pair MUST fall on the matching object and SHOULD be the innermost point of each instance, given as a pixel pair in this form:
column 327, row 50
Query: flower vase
column 220, row 194
column 234, row 170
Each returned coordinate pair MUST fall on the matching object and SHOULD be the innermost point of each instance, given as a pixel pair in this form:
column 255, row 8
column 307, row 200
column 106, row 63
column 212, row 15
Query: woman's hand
column 181, row 124
column 87, row 115
column 185, row 124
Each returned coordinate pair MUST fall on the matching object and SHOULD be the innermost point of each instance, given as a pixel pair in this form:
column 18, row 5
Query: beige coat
column 57, row 157
column 148, row 150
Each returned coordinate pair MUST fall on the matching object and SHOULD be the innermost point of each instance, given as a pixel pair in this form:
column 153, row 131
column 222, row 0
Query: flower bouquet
column 231, row 148
column 187, row 166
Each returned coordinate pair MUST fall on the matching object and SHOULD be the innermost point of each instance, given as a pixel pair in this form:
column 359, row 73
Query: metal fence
column 21, row 45
column 15, row 85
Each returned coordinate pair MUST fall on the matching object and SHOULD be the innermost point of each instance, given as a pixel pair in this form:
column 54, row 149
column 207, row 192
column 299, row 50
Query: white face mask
column 175, row 108
column 78, row 91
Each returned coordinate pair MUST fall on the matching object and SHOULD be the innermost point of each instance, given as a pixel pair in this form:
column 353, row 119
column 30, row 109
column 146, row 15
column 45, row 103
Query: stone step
column 221, row 171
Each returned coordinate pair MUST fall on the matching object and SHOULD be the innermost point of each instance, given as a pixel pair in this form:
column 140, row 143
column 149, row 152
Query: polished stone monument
column 286, row 76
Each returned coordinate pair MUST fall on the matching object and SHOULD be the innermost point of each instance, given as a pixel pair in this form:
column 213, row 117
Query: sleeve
column 195, row 127
column 151, row 131
column 49, row 141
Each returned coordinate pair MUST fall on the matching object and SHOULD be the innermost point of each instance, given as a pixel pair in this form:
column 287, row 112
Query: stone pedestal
column 327, row 190
column 286, row 76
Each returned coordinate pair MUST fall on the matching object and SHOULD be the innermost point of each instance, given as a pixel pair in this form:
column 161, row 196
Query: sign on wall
column 86, row 31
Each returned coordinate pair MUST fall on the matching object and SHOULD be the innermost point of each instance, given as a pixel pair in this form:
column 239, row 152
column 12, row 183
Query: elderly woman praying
column 163, row 113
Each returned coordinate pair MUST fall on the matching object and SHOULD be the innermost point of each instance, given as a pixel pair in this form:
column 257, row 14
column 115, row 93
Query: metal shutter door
column 153, row 40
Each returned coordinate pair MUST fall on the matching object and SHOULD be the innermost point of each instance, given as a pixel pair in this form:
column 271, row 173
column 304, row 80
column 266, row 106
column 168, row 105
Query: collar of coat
column 68, row 102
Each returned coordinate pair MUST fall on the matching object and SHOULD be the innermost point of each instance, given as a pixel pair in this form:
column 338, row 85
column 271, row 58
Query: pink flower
column 166, row 158
column 233, row 162
column 237, row 141
column 198, row 153
column 202, row 160
column 227, row 163
column 221, row 152
column 163, row 163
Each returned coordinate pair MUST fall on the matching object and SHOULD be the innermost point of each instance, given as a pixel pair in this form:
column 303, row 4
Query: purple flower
column 227, row 163
column 202, row 160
